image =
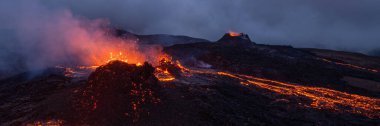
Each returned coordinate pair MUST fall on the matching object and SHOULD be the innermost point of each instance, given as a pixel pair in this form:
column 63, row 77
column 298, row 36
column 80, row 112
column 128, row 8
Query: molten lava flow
column 233, row 34
column 182, row 68
column 168, row 70
column 80, row 71
column 161, row 72
column 163, row 75
column 321, row 98
column 349, row 65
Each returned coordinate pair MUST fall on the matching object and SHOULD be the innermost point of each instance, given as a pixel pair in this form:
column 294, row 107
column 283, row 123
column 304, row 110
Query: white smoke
column 45, row 37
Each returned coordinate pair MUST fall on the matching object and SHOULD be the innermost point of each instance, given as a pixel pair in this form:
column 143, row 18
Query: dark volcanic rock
column 283, row 63
column 276, row 62
column 124, row 94
column 375, row 52
column 197, row 100
column 118, row 93
column 239, row 39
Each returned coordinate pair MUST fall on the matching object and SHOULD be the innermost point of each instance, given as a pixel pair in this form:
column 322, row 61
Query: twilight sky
column 336, row 24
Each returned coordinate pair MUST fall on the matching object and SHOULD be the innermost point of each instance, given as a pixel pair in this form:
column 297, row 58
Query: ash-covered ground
column 232, row 81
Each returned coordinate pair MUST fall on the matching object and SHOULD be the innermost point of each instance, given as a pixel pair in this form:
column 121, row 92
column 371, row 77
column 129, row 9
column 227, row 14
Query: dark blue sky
column 336, row 24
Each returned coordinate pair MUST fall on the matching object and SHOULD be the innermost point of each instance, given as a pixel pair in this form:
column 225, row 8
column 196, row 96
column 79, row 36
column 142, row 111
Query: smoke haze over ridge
column 340, row 24
column 40, row 37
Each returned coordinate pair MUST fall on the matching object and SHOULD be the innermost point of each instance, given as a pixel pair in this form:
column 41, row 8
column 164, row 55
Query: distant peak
column 235, row 39
column 233, row 34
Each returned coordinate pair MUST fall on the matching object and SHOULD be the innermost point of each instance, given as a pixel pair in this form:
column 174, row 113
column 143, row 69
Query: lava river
column 318, row 97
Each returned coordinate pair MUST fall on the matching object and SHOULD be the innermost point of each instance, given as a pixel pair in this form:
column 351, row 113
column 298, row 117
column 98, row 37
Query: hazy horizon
column 348, row 25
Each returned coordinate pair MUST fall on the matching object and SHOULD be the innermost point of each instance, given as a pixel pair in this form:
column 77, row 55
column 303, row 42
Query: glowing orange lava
column 164, row 71
column 47, row 123
column 163, row 75
column 120, row 56
column 321, row 98
column 349, row 65
column 233, row 34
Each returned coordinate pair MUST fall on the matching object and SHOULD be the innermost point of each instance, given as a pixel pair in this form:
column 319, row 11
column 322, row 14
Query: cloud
column 339, row 24
column 37, row 37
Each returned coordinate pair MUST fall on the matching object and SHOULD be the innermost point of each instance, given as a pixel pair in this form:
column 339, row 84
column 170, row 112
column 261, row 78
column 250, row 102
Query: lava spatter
column 124, row 92
column 169, row 71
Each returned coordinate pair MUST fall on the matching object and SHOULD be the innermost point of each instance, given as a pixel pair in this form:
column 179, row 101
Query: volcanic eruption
column 235, row 39
column 66, row 64
column 121, row 84
column 124, row 92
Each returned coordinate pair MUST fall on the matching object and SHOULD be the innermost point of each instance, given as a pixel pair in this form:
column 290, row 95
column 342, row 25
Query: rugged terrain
column 232, row 81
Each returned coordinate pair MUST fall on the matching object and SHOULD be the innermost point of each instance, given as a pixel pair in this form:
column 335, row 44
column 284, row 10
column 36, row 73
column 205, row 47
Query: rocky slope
column 229, row 82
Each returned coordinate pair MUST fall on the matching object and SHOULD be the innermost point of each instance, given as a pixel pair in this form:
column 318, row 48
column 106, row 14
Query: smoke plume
column 39, row 37
column 36, row 34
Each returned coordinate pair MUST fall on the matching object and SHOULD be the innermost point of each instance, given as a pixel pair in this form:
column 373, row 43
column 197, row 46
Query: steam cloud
column 351, row 25
column 36, row 34
column 45, row 38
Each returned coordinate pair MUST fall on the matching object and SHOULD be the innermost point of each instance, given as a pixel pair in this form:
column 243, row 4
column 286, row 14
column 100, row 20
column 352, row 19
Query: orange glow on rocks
column 167, row 70
column 349, row 65
column 53, row 122
column 125, row 53
column 320, row 98
column 128, row 88
column 163, row 75
column 233, row 34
